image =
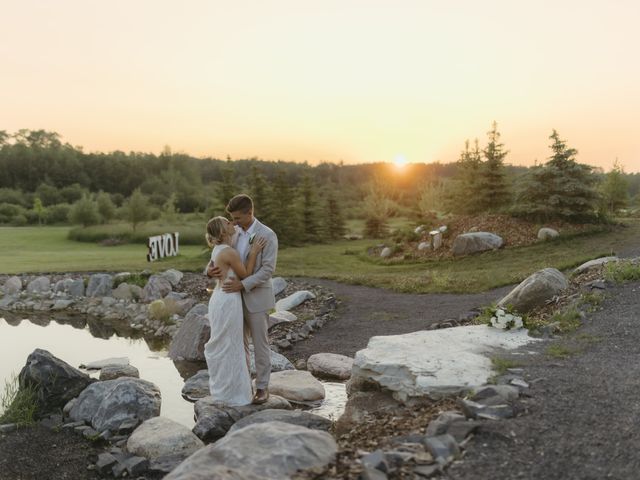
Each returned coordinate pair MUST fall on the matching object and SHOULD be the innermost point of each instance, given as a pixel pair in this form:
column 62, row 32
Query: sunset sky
column 351, row 80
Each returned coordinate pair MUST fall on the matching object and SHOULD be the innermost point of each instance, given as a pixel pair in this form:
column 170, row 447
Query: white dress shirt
column 242, row 241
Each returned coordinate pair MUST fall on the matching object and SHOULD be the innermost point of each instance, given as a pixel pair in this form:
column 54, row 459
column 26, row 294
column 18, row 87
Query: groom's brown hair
column 240, row 203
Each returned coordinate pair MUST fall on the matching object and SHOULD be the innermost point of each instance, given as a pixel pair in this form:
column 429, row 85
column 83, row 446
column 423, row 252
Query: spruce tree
column 228, row 187
column 335, row 224
column 615, row 189
column 260, row 193
column 285, row 216
column 560, row 189
column 463, row 191
column 311, row 227
column 493, row 190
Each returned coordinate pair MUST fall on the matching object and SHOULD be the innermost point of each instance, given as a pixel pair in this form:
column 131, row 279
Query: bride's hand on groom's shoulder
column 258, row 244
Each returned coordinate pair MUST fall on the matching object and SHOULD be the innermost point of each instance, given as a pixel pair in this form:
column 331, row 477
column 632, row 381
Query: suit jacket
column 258, row 291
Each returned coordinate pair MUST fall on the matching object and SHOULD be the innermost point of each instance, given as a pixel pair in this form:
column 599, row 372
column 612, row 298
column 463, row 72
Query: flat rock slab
column 594, row 263
column 296, row 386
column 330, row 365
column 434, row 362
column 99, row 364
column 294, row 417
column 293, row 300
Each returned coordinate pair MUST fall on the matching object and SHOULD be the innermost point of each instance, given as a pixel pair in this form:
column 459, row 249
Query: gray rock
column 439, row 425
column 12, row 286
column 294, row 417
column 62, row 304
column 111, row 372
column 250, row 450
column 535, row 290
column 75, row 287
column 469, row 243
column 489, row 412
column 296, row 386
column 99, row 285
column 385, row 253
column 278, row 361
column 213, row 420
column 7, row 301
column 160, row 436
column 39, row 285
column 280, row 317
column 330, row 365
column 124, row 291
column 547, row 234
column 376, row 460
column 278, row 284
column 444, row 448
column 156, row 288
column 293, row 300
column 105, row 463
column 594, row 263
column 106, row 405
column 56, row 382
column 197, row 386
column 174, row 276
column 98, row 364
column 506, row 392
column 188, row 342
column 8, row 427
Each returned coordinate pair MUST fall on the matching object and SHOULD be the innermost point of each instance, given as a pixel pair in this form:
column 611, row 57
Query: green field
column 47, row 249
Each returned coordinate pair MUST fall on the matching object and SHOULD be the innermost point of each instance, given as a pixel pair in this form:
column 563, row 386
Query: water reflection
column 79, row 339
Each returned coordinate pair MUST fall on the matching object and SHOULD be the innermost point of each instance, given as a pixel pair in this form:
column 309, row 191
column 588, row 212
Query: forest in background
column 46, row 181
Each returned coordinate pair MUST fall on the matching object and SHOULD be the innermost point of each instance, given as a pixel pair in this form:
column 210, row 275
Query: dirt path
column 365, row 312
column 581, row 420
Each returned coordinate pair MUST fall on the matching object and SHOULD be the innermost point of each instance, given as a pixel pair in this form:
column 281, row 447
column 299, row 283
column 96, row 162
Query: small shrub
column 622, row 271
column 560, row 351
column 18, row 405
column 501, row 365
column 159, row 311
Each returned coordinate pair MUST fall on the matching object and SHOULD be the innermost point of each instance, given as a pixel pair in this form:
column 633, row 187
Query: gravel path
column 582, row 417
column 365, row 312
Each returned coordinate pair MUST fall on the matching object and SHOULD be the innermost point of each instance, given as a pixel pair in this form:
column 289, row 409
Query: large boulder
column 160, row 437
column 431, row 363
column 55, row 382
column 157, row 287
column 251, row 451
column 535, row 290
column 125, row 291
column 294, row 417
column 594, row 263
column 12, row 286
column 74, row 286
column 296, row 386
column 100, row 285
column 109, row 404
column 475, row 242
column 214, row 420
column 188, row 342
column 111, row 372
column 293, row 300
column 330, row 365
column 39, row 285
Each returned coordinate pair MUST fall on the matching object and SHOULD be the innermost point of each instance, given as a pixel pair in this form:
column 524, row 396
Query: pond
column 79, row 341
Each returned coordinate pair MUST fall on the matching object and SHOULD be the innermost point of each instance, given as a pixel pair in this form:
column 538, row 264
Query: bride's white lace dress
column 229, row 380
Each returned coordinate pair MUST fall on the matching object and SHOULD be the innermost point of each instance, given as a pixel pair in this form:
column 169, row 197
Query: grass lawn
column 47, row 249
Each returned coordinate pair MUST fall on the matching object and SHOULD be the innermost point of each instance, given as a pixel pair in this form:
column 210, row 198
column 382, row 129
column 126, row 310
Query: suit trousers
column 255, row 328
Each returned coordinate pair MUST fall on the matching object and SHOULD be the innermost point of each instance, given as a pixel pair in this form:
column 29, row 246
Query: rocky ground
column 577, row 419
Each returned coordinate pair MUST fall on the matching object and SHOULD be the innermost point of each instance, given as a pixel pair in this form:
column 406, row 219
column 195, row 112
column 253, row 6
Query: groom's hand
column 232, row 285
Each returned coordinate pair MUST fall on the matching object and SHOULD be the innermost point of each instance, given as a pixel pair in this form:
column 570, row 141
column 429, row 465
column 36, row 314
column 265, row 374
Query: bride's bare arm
column 233, row 259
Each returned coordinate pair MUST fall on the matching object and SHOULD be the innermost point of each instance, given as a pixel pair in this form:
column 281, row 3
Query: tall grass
column 17, row 405
column 622, row 271
column 191, row 233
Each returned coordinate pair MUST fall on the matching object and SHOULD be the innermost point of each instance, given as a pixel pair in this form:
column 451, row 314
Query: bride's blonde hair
column 215, row 230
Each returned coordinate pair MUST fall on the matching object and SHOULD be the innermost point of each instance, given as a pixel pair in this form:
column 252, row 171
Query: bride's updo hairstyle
column 215, row 230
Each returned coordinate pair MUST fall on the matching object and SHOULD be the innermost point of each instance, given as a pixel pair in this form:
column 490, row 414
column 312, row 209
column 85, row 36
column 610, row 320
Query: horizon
column 363, row 82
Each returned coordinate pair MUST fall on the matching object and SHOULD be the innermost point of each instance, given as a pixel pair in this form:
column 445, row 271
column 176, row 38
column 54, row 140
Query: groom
column 257, row 292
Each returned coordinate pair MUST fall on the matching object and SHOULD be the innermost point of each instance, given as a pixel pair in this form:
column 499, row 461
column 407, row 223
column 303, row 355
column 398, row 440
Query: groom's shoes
column 261, row 396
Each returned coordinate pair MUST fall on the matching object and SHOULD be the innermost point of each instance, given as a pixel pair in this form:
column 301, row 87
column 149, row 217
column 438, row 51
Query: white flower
column 506, row 321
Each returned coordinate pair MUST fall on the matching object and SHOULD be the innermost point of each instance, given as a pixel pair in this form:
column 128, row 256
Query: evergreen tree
column 285, row 218
column 260, row 194
column 493, row 191
column 463, row 191
column 615, row 189
column 38, row 209
column 311, row 226
column 228, row 188
column 377, row 210
column 562, row 188
column 84, row 212
column 335, row 224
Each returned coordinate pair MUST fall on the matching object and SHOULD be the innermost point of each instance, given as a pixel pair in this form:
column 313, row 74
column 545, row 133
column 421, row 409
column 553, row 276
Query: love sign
column 161, row 246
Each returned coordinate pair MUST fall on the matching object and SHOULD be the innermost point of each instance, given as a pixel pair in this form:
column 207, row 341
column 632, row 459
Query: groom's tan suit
column 258, row 299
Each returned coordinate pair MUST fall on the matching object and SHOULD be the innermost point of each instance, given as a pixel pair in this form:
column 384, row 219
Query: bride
column 229, row 379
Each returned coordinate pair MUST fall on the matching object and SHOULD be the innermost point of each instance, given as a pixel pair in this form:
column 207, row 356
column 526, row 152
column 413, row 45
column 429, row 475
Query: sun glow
column 400, row 162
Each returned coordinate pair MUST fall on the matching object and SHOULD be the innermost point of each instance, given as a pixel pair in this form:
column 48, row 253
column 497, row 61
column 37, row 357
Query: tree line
column 43, row 180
